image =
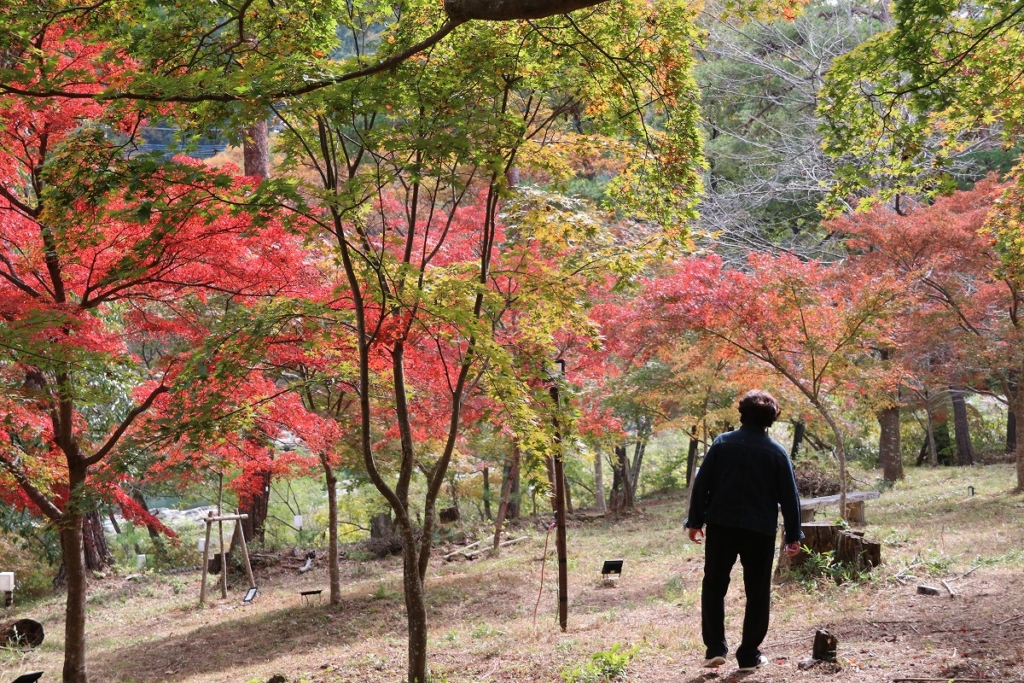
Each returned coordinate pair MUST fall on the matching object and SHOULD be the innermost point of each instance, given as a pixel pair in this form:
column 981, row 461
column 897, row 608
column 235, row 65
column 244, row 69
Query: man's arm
column 789, row 499
column 699, row 495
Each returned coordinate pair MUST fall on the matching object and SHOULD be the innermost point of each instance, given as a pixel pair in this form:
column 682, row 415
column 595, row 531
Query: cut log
column 825, row 646
column 21, row 633
column 872, row 553
column 849, row 549
column 821, row 537
column 849, row 545
column 855, row 512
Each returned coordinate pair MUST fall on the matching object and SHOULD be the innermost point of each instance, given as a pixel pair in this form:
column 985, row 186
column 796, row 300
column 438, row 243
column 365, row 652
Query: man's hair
column 758, row 409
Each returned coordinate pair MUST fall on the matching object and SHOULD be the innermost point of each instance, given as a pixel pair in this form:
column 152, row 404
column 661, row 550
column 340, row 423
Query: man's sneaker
column 712, row 662
column 761, row 661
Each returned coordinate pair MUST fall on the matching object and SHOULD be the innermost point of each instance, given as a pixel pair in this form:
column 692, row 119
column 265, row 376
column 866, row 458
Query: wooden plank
column 511, row 541
column 851, row 497
column 461, row 550
column 225, row 518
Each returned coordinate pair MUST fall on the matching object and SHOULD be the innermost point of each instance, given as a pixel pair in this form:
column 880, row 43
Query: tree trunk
column 549, row 462
column 799, row 429
column 691, row 455
column 505, row 506
column 487, row 493
column 1017, row 405
column 622, row 492
column 73, row 549
column 154, row 535
column 568, row 490
column 634, row 473
column 933, row 452
column 334, row 571
column 97, row 554
column 1011, row 431
column 840, row 456
column 599, row 501
column 890, row 455
column 514, row 492
column 415, row 608
column 964, row 451
column 256, row 507
column 256, row 150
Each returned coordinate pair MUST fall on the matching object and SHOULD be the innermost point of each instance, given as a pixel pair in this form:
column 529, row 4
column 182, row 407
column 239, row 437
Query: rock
column 807, row 664
column 927, row 590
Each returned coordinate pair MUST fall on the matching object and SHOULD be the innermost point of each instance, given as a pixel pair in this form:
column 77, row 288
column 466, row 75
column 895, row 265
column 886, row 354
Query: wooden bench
column 854, row 506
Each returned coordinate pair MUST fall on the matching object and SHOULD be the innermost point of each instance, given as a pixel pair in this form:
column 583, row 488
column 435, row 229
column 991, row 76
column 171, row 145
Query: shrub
column 604, row 666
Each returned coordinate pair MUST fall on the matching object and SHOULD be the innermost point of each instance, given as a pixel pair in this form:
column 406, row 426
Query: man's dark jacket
column 745, row 478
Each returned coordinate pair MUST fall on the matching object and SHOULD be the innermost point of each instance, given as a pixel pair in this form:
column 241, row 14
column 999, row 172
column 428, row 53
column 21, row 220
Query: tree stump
column 849, row 545
column 855, row 512
column 825, row 646
column 821, row 537
column 854, row 550
column 21, row 633
column 216, row 563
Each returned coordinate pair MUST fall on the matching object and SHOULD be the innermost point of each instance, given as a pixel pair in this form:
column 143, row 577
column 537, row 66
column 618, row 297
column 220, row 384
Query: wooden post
column 206, row 563
column 245, row 553
column 825, row 646
column 220, row 531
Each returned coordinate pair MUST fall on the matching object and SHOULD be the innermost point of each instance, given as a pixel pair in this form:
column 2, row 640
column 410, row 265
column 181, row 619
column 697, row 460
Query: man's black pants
column 756, row 551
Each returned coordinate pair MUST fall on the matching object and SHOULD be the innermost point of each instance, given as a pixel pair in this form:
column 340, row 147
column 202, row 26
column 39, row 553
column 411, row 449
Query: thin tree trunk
column 638, row 459
column 487, row 494
column 691, row 455
column 799, row 429
column 511, row 474
column 961, row 426
column 840, row 456
column 890, row 455
column 933, row 452
column 334, row 571
column 1017, row 405
column 1011, row 431
column 568, row 491
column 622, row 492
column 514, row 492
column 599, row 501
column 154, row 535
column 549, row 462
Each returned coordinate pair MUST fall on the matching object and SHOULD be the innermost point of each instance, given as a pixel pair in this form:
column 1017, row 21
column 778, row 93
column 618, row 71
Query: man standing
column 737, row 493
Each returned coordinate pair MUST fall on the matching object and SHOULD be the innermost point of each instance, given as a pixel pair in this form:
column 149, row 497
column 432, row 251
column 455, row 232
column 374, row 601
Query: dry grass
column 481, row 612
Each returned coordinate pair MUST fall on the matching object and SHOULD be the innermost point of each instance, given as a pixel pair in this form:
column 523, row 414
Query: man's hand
column 696, row 535
column 792, row 549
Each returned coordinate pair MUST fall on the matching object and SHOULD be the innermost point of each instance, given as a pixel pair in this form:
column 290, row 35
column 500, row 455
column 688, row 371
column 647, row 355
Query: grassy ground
column 482, row 612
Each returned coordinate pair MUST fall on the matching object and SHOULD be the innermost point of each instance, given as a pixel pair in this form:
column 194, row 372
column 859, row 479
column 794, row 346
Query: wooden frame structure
column 220, row 519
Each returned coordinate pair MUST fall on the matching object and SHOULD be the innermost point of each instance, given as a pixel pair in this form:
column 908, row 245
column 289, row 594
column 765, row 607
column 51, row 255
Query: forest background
column 429, row 222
